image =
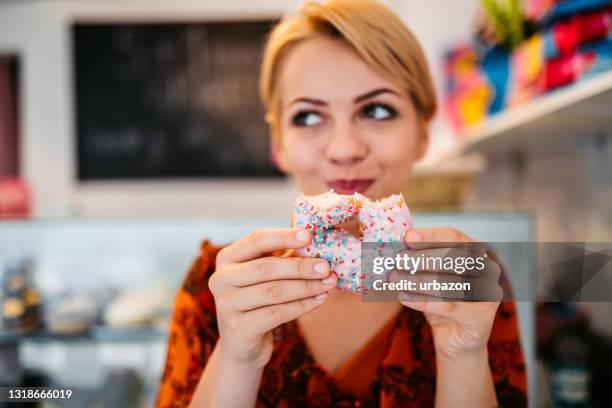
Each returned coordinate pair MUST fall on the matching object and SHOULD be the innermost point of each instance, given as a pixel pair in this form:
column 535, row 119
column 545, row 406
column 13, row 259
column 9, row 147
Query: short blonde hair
column 377, row 34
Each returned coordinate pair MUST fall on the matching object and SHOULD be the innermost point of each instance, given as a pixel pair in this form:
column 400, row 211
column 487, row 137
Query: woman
column 349, row 98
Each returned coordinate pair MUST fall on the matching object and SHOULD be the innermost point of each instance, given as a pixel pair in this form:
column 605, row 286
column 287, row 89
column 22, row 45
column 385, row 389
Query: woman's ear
column 423, row 139
column 279, row 157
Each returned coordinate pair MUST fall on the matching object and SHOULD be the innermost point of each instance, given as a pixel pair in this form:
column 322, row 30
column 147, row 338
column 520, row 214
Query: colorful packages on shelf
column 546, row 12
column 587, row 61
column 468, row 94
column 480, row 84
column 577, row 47
column 536, row 9
column 567, row 35
column 481, row 81
column 527, row 65
column 561, row 9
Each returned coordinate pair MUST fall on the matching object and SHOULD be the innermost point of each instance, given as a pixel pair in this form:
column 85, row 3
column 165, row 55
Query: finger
column 431, row 285
column 261, row 242
column 434, row 237
column 274, row 268
column 453, row 310
column 289, row 252
column 278, row 292
column 268, row 318
column 428, row 304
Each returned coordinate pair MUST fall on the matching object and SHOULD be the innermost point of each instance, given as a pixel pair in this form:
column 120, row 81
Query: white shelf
column 464, row 165
column 549, row 122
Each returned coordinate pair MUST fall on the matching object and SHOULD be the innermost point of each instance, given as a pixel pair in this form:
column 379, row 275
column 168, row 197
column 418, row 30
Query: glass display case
column 103, row 291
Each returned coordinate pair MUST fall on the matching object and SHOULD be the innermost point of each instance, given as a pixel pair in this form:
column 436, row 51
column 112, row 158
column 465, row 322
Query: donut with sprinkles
column 382, row 222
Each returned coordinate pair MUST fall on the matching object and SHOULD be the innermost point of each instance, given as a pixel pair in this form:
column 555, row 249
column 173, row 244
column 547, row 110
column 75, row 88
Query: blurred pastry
column 71, row 315
column 136, row 308
column 19, row 300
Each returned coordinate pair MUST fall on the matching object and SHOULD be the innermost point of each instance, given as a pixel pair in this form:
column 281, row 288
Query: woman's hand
column 255, row 293
column 459, row 325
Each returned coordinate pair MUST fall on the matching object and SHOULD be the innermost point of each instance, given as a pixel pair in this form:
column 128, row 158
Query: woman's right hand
column 256, row 293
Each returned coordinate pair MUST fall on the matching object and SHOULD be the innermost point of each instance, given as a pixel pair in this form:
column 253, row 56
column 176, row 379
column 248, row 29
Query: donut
column 384, row 221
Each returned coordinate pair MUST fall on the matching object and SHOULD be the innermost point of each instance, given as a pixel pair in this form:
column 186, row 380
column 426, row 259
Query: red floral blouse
column 395, row 369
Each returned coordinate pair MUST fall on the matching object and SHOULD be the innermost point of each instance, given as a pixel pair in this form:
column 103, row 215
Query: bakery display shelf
column 550, row 121
column 99, row 334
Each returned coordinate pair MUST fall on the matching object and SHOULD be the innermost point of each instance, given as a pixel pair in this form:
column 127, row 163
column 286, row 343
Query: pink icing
column 381, row 222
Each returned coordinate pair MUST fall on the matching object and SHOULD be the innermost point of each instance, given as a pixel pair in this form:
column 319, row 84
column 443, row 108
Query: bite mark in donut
column 383, row 221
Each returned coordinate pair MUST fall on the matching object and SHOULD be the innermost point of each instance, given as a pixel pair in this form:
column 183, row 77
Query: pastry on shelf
column 19, row 300
column 137, row 308
column 73, row 314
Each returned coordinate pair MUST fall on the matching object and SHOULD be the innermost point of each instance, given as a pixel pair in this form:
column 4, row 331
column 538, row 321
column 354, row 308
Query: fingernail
column 320, row 268
column 328, row 281
column 413, row 236
column 302, row 236
column 321, row 296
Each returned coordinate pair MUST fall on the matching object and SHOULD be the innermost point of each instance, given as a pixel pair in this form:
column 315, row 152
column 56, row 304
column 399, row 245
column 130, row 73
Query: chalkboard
column 170, row 100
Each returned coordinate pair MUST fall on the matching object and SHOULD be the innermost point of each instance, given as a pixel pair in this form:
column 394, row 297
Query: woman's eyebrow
column 374, row 93
column 309, row 100
column 358, row 99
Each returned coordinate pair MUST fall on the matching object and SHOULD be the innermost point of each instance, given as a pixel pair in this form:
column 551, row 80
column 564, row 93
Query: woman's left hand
column 459, row 324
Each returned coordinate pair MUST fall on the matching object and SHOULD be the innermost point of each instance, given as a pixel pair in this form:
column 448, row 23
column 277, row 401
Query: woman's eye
column 378, row 111
column 306, row 118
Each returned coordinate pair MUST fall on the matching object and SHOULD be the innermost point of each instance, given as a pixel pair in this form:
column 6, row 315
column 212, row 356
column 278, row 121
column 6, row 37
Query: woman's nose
column 346, row 146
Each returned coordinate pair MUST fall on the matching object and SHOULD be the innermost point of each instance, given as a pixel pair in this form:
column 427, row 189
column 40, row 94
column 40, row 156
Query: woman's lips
column 343, row 186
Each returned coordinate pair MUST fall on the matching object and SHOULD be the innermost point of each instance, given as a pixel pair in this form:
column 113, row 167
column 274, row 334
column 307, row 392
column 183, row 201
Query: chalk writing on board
column 170, row 100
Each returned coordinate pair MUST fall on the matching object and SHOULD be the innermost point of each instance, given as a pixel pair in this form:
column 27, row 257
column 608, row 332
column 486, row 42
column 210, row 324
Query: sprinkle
column 339, row 248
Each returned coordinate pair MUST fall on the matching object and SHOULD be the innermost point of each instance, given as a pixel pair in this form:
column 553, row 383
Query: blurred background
column 132, row 130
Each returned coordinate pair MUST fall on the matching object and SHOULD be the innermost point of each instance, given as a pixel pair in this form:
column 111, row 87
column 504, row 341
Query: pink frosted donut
column 385, row 220
column 381, row 221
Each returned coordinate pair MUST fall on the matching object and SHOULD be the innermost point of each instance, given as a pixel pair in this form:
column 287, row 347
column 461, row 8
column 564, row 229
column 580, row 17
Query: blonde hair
column 378, row 35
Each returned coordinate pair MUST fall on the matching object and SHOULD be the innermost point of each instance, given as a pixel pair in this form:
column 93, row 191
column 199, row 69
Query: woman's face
column 342, row 125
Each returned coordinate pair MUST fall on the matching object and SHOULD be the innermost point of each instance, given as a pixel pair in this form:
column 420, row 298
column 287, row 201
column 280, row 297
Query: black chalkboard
column 170, row 100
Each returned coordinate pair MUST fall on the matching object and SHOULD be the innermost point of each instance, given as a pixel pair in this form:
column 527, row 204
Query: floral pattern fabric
column 405, row 376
